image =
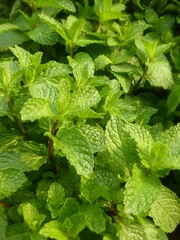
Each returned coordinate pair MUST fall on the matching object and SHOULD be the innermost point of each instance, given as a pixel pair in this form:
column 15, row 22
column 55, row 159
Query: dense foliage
column 89, row 112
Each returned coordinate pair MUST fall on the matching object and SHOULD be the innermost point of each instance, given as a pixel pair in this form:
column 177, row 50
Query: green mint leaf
column 103, row 183
column 106, row 10
column 113, row 145
column 175, row 57
column 43, row 34
column 159, row 73
column 94, row 136
column 171, row 139
column 10, row 181
column 43, row 188
column 75, row 27
column 81, row 100
column 173, row 99
column 3, row 224
column 143, row 139
column 45, row 89
column 165, row 211
column 64, row 96
column 70, row 207
column 25, row 58
column 74, row 227
column 75, row 147
column 57, row 26
column 83, row 68
column 17, row 231
column 54, row 229
column 56, row 197
column 36, row 108
column 143, row 230
column 94, row 218
column 102, row 61
column 4, row 109
column 10, row 35
column 141, row 191
column 9, row 76
column 61, row 4
column 32, row 216
column 8, row 138
column 55, row 69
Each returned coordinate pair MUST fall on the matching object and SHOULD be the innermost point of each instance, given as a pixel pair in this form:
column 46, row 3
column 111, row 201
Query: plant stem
column 21, row 128
column 50, row 147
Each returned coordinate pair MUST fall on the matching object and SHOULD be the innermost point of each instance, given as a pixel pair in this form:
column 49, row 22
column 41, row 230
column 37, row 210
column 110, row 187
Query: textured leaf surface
column 17, row 231
column 159, row 73
column 75, row 146
column 82, row 99
column 10, row 36
column 114, row 133
column 10, row 181
column 3, row 224
column 36, row 108
column 94, row 136
column 165, row 211
column 25, row 58
column 54, row 230
column 140, row 192
column 83, row 67
column 143, row 140
column 32, row 216
column 144, row 230
column 55, row 69
column 56, row 196
column 103, row 183
column 74, row 227
column 94, row 218
column 61, row 4
column 43, row 34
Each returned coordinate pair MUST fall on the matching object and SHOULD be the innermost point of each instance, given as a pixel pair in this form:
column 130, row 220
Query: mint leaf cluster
column 89, row 120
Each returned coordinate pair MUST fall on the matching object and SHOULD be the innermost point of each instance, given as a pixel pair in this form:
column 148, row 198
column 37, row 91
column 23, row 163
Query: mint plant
column 89, row 120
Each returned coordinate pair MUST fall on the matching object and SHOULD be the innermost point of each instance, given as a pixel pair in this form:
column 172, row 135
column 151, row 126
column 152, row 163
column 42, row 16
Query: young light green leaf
column 159, row 73
column 74, row 227
column 10, row 181
column 102, row 61
column 56, row 196
column 76, row 148
column 31, row 216
column 94, row 218
column 165, row 211
column 106, row 10
column 141, row 191
column 64, row 96
column 44, row 35
column 54, row 229
column 57, row 26
column 144, row 230
column 36, row 108
column 25, row 58
column 75, row 27
column 3, row 223
column 83, row 67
